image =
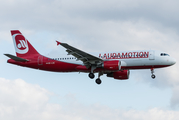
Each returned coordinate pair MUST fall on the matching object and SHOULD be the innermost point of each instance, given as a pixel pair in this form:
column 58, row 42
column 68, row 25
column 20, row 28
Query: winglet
column 58, row 43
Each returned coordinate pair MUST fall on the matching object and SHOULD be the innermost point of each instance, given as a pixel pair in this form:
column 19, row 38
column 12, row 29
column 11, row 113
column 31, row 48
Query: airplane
column 116, row 65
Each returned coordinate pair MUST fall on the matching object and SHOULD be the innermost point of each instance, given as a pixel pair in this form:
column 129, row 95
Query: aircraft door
column 151, row 55
column 40, row 60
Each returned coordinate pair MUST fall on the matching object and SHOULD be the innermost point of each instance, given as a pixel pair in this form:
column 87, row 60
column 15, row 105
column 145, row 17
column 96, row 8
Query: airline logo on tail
column 20, row 43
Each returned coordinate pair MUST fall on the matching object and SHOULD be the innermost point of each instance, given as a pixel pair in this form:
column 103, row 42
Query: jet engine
column 120, row 75
column 113, row 65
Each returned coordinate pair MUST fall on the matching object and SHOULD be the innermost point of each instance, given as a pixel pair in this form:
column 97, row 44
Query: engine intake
column 120, row 75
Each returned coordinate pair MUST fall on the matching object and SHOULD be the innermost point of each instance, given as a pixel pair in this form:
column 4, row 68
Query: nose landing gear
column 153, row 76
column 152, row 71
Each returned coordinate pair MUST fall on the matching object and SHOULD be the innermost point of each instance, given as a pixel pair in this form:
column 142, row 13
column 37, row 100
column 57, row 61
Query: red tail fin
column 22, row 46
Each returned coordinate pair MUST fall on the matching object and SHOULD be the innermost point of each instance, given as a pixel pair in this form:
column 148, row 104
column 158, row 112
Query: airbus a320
column 114, row 64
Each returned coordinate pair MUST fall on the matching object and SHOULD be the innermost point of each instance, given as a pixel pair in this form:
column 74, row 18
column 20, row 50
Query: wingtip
column 58, row 43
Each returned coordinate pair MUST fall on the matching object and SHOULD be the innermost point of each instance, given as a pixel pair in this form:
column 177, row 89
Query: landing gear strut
column 91, row 74
column 152, row 71
column 98, row 80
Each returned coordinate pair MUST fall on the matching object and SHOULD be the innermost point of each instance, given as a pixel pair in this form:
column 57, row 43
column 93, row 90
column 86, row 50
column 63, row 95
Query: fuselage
column 145, row 59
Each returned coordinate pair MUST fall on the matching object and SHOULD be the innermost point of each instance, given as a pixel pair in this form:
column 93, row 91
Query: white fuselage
column 129, row 59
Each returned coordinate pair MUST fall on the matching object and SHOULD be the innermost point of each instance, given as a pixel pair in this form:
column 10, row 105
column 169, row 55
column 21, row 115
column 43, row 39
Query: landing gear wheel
column 153, row 76
column 91, row 75
column 152, row 71
column 98, row 81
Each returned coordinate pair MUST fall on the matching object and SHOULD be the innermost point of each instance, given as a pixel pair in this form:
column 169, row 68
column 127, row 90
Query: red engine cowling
column 112, row 65
column 121, row 75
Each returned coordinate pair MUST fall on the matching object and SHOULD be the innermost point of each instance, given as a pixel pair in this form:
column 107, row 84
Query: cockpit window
column 164, row 54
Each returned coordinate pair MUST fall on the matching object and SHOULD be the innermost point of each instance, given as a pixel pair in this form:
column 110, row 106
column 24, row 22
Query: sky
column 92, row 26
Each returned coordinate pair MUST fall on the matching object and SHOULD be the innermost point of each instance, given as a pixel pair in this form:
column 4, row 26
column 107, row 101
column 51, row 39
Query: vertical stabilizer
column 22, row 46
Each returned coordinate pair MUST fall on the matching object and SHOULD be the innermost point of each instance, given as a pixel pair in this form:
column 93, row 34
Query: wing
column 86, row 58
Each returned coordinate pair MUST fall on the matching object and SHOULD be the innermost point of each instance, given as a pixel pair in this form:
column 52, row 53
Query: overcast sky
column 92, row 26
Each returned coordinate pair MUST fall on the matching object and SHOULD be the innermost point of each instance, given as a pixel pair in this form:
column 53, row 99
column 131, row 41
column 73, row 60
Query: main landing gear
column 152, row 71
column 98, row 80
column 91, row 75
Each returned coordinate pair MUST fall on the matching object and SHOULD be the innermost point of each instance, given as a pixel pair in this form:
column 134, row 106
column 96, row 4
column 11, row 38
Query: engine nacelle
column 112, row 65
column 121, row 75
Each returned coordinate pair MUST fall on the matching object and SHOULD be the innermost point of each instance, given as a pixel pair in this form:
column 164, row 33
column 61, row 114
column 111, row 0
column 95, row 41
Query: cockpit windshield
column 164, row 54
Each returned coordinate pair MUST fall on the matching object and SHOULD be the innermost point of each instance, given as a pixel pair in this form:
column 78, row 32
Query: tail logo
column 20, row 43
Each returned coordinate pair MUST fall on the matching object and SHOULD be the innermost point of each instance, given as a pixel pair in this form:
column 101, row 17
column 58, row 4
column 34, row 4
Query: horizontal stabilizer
column 16, row 58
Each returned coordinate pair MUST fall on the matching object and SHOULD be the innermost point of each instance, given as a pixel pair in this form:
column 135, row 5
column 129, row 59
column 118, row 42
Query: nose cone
column 172, row 61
